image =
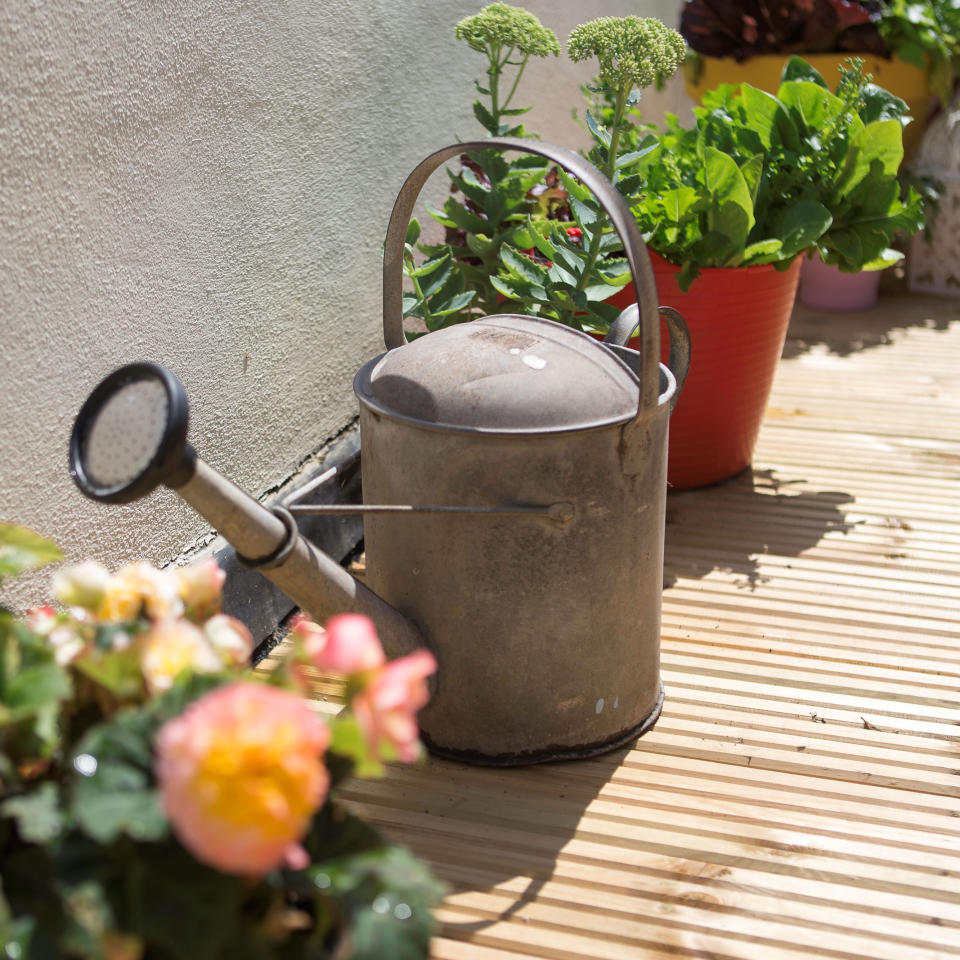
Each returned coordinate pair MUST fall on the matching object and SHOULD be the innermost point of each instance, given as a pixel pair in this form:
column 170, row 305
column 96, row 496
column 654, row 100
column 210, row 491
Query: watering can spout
column 268, row 541
column 130, row 436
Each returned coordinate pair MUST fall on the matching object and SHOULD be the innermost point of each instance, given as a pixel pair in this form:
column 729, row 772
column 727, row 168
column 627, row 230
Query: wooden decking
column 800, row 795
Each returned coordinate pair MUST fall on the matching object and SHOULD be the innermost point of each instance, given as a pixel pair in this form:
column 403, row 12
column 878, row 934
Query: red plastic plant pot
column 738, row 320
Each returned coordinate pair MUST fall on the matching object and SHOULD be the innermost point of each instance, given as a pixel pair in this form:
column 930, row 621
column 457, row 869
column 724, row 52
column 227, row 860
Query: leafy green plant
column 925, row 33
column 142, row 817
column 583, row 265
column 859, row 186
column 762, row 178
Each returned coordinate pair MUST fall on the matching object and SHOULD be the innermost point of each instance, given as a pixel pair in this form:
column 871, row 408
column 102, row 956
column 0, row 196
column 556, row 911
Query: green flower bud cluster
column 633, row 51
column 500, row 25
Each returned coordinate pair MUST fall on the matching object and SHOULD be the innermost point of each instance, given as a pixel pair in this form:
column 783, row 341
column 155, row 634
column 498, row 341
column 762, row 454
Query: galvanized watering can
column 514, row 479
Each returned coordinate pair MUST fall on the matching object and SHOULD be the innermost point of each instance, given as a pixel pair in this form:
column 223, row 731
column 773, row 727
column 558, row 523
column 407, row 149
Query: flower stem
column 425, row 314
column 494, row 71
column 513, row 89
column 609, row 171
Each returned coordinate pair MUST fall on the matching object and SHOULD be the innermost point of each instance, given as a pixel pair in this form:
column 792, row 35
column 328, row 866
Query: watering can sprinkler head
column 130, row 435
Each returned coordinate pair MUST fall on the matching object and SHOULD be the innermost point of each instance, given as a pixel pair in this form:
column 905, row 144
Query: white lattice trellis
column 934, row 265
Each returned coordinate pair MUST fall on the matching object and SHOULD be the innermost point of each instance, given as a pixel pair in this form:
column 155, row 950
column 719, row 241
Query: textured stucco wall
column 206, row 184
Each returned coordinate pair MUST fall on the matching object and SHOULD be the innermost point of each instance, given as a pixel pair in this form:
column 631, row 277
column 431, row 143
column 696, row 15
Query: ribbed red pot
column 738, row 321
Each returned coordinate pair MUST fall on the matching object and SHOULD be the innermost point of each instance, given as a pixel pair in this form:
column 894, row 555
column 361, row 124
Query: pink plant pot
column 827, row 288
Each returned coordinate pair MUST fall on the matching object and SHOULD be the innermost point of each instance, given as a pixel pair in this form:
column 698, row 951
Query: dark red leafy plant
column 744, row 28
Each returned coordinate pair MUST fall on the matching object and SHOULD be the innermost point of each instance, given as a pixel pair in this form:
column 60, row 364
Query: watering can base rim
column 551, row 753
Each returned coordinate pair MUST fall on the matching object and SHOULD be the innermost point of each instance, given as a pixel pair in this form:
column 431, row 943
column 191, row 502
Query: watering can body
column 546, row 626
column 547, row 630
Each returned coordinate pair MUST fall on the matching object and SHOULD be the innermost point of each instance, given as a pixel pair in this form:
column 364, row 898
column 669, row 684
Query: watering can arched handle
column 615, row 206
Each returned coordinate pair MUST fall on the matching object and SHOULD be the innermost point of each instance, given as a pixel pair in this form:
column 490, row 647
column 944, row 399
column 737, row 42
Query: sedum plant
column 583, row 265
column 501, row 32
column 159, row 802
column 548, row 250
column 491, row 196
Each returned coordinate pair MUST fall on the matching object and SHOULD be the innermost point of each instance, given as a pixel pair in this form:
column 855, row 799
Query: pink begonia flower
column 352, row 645
column 171, row 647
column 230, row 638
column 66, row 635
column 200, row 586
column 41, row 620
column 67, row 643
column 82, row 585
column 310, row 637
column 386, row 708
column 241, row 774
column 140, row 588
column 348, row 645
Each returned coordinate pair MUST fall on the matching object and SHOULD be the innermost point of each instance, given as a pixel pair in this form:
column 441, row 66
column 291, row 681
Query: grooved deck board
column 800, row 795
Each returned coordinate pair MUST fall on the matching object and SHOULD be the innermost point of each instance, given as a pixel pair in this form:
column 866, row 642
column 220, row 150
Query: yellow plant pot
column 902, row 79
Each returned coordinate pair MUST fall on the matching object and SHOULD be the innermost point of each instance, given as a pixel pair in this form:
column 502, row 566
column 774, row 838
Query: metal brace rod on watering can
column 558, row 512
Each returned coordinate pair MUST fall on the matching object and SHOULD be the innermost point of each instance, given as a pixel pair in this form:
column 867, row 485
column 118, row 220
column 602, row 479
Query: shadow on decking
column 729, row 526
column 494, row 829
column 843, row 334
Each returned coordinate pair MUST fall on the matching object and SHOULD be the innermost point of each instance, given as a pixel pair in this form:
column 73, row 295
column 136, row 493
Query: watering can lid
column 502, row 374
